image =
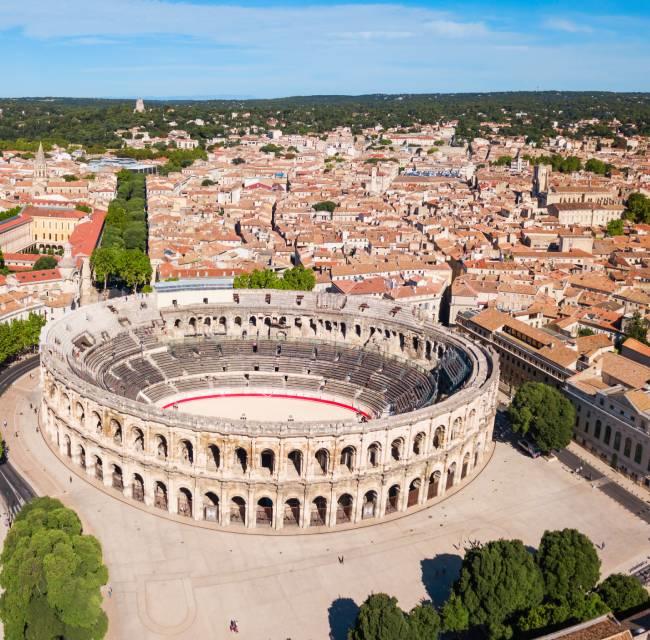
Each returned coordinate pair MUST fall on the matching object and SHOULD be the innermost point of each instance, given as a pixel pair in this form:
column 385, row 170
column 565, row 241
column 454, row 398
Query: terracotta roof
column 625, row 371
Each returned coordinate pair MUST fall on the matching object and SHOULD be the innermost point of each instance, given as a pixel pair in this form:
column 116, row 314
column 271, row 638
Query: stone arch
column 116, row 431
column 97, row 422
column 451, row 475
column 267, row 460
column 184, row 502
column 186, row 451
column 65, row 399
column 370, row 505
column 68, row 445
column 439, row 438
column 99, row 468
column 392, row 503
column 211, row 507
column 81, row 456
column 344, row 506
column 295, row 460
column 465, row 468
column 117, row 480
column 264, row 512
column 457, row 428
column 323, row 460
column 414, row 492
column 374, row 454
column 291, row 512
column 434, row 485
column 137, row 487
column 348, row 455
column 238, row 510
column 79, row 412
column 160, row 500
column 418, row 443
column 241, row 459
column 318, row 516
column 213, row 456
column 161, row 446
column 137, row 439
column 397, row 449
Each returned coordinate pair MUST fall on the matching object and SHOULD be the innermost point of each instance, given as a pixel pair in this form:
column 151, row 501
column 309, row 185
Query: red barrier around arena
column 270, row 395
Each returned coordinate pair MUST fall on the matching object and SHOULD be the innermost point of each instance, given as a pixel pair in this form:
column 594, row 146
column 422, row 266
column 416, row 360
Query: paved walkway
column 173, row 580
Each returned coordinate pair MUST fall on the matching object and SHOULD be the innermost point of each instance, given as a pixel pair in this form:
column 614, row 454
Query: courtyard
column 174, row 580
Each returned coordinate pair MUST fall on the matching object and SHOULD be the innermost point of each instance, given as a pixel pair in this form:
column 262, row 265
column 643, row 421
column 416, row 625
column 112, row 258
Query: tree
column 208, row 183
column 638, row 208
column 2, row 259
column 497, row 582
column 424, row 622
column 325, row 205
column 615, row 227
column 45, row 262
column 569, row 564
column 84, row 208
column 637, row 328
column 543, row 412
column 503, row 161
column 297, row 279
column 455, row 616
column 583, row 332
column 134, row 268
column 599, row 167
column 380, row 618
column 622, row 592
column 103, row 261
column 51, row 575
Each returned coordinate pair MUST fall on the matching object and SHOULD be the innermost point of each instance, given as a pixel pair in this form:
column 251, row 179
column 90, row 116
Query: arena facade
column 118, row 378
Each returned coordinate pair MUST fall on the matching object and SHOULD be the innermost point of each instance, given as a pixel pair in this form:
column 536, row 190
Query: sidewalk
column 599, row 464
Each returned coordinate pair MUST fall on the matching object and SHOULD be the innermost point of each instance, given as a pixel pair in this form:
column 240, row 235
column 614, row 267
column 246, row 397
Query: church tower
column 541, row 176
column 40, row 166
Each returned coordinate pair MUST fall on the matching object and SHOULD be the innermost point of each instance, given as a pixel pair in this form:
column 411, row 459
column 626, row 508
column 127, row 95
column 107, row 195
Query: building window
column 638, row 453
column 627, row 448
column 597, row 431
column 608, row 434
column 617, row 441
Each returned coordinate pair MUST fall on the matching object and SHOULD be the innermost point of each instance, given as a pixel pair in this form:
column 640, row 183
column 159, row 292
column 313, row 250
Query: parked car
column 529, row 447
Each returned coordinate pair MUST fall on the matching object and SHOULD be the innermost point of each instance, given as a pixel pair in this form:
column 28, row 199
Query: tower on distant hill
column 139, row 106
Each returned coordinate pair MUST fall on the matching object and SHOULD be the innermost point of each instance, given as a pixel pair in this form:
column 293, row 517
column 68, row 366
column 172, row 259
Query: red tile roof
column 85, row 236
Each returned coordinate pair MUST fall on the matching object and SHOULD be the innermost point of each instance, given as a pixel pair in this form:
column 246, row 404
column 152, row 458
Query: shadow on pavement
column 341, row 615
column 439, row 574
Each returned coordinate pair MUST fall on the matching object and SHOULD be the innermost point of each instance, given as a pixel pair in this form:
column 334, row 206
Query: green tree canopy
column 638, row 208
column 637, row 328
column 380, row 618
column 19, row 335
column 569, row 564
column 297, row 279
column 45, row 262
column 498, row 582
column 543, row 412
column 615, row 227
column 51, row 575
column 621, row 592
column 325, row 205
column 424, row 622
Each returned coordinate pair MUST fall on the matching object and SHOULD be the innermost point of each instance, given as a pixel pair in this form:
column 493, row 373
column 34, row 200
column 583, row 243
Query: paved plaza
column 174, row 580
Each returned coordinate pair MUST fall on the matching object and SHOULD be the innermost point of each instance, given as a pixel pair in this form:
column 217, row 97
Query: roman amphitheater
column 266, row 410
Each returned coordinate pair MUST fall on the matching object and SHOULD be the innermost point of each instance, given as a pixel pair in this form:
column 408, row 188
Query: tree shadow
column 439, row 574
column 341, row 616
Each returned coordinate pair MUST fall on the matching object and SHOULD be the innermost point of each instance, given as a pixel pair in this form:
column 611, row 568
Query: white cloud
column 567, row 26
column 373, row 35
column 454, row 29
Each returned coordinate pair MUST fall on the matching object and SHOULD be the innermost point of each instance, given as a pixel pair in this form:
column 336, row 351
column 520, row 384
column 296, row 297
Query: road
column 14, row 489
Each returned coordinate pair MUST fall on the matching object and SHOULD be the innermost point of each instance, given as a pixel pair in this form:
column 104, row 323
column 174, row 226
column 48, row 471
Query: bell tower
column 40, row 165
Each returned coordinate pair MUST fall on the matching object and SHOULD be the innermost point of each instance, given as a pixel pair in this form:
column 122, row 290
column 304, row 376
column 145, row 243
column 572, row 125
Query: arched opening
column 81, row 453
column 318, row 512
column 434, row 485
column 66, row 404
column 396, row 449
column 392, row 504
column 237, row 321
column 465, row 467
column 267, row 460
column 252, row 321
column 439, row 438
column 322, row 458
column 186, row 452
column 138, row 439
column 213, row 456
column 264, row 514
column 117, row 480
column 418, row 444
column 80, row 412
column 116, row 431
column 344, row 509
column 68, row 446
column 161, row 446
column 457, row 428
column 369, row 509
column 160, row 496
column 451, row 474
column 238, row 510
column 211, row 507
column 184, row 502
column 374, row 453
column 241, row 459
column 177, row 323
column 137, row 487
column 347, row 457
column 295, row 458
column 292, row 512
column 414, row 493
column 97, row 422
column 99, row 468
column 192, row 324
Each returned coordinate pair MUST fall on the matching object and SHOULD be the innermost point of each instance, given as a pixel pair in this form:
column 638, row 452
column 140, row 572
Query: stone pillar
column 251, row 509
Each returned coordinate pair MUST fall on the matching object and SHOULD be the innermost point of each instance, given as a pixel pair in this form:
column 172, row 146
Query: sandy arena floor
column 260, row 407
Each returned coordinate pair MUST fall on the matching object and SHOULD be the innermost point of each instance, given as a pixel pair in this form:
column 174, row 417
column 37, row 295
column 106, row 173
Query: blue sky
column 127, row 48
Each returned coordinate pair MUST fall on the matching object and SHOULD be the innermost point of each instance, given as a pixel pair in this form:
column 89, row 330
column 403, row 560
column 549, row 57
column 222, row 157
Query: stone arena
column 266, row 410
